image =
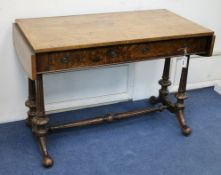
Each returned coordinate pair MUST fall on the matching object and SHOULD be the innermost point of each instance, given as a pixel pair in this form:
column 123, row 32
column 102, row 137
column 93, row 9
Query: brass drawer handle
column 112, row 53
column 145, row 50
column 96, row 59
column 64, row 60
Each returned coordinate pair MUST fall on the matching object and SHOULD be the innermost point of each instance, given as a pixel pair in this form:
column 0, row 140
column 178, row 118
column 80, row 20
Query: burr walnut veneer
column 57, row 44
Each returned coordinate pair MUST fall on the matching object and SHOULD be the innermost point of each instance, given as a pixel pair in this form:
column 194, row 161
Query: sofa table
column 58, row 44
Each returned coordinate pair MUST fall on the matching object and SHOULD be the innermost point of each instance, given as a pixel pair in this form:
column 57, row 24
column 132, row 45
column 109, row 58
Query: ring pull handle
column 145, row 50
column 112, row 53
column 65, row 60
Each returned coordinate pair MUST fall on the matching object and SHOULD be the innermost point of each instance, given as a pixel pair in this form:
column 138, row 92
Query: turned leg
column 164, row 82
column 31, row 102
column 40, row 123
column 181, row 96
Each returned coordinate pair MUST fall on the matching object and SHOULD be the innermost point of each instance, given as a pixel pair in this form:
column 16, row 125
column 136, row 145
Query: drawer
column 75, row 59
column 82, row 58
column 58, row 61
column 167, row 48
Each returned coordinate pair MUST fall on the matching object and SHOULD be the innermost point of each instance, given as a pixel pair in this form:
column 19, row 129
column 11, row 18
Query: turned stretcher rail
column 108, row 118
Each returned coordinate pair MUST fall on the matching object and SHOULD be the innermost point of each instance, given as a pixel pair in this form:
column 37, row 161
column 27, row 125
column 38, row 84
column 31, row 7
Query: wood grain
column 85, row 31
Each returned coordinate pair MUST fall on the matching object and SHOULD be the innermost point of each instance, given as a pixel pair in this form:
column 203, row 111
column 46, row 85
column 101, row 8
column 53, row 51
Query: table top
column 92, row 30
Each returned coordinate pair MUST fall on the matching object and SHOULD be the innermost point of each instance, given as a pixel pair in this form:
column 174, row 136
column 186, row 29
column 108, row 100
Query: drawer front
column 167, row 48
column 84, row 58
column 58, row 61
column 74, row 59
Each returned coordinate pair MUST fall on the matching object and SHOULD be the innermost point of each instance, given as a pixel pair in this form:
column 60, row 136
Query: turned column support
column 40, row 123
column 164, row 82
column 31, row 102
column 181, row 96
column 177, row 107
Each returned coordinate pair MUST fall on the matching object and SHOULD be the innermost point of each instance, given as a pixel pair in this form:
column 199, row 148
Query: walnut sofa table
column 57, row 44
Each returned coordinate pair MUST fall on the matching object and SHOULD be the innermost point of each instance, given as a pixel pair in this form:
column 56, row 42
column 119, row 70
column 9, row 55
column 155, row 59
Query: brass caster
column 186, row 131
column 47, row 162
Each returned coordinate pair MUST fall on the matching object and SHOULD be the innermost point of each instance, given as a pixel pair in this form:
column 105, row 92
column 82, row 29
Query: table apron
column 100, row 56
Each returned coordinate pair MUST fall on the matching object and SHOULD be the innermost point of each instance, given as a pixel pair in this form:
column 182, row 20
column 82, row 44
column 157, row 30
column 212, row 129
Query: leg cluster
column 178, row 107
column 37, row 119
